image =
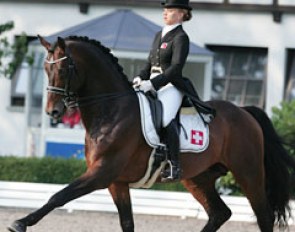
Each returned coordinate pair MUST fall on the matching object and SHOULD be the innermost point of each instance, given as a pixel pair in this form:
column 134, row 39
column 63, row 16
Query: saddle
column 156, row 110
column 194, row 136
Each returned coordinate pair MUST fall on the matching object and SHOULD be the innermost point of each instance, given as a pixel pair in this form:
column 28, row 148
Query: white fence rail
column 152, row 202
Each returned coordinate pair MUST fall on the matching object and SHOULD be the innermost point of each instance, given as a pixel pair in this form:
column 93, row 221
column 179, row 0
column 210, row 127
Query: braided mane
column 102, row 48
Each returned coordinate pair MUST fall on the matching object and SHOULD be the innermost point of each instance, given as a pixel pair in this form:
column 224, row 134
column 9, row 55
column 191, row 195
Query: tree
column 284, row 121
column 12, row 54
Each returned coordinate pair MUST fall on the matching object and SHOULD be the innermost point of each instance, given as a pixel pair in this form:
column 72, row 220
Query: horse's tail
column 277, row 161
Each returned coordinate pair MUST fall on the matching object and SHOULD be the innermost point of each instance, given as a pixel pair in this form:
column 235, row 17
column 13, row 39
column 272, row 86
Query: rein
column 85, row 101
column 71, row 99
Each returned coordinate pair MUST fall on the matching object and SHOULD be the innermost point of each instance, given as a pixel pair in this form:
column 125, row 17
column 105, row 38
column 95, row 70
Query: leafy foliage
column 6, row 27
column 178, row 187
column 284, row 121
column 41, row 170
column 227, row 185
column 11, row 55
column 53, row 170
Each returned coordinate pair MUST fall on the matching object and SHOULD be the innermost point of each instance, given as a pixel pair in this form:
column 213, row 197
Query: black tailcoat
column 170, row 53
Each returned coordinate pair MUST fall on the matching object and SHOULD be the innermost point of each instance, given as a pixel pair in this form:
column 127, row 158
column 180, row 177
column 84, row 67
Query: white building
column 253, row 41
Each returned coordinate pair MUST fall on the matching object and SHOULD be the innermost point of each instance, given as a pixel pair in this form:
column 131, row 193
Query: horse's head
column 82, row 72
column 60, row 70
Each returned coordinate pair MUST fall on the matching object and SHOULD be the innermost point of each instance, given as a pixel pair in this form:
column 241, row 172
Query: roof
column 121, row 30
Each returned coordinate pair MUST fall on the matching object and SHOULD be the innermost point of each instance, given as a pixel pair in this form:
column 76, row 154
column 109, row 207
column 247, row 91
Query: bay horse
column 242, row 141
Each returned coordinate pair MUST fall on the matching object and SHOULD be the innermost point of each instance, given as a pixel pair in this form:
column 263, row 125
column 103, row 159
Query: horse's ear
column 45, row 43
column 61, row 43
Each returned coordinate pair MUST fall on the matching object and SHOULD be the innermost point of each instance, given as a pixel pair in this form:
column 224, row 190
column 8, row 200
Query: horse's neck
column 102, row 81
column 112, row 97
column 102, row 77
column 102, row 117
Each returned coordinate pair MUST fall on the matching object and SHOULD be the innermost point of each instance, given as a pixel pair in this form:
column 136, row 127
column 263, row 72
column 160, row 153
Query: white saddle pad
column 194, row 134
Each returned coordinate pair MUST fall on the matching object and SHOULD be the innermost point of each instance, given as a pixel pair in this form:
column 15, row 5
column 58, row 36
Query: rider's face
column 172, row 16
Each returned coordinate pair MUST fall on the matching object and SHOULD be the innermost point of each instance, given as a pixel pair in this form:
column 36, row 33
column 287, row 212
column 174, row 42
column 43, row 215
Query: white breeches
column 171, row 99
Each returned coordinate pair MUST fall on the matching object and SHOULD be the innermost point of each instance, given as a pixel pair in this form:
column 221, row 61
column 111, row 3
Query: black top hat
column 182, row 4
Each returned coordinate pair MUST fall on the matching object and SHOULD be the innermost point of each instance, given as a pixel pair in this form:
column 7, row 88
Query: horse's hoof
column 17, row 226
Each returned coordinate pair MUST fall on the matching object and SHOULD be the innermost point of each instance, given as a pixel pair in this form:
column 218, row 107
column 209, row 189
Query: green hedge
column 41, row 170
column 52, row 170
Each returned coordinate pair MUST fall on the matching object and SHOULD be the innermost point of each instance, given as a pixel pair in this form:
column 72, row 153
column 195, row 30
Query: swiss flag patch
column 197, row 137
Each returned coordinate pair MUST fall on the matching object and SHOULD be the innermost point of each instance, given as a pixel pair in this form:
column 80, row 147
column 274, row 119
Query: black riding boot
column 172, row 170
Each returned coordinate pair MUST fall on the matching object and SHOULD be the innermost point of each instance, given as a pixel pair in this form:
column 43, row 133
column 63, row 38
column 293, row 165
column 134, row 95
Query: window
column 239, row 75
column 20, row 79
column 290, row 79
column 20, row 82
column 131, row 67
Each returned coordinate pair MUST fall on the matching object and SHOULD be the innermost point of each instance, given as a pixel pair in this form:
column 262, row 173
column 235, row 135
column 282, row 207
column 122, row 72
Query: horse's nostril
column 55, row 114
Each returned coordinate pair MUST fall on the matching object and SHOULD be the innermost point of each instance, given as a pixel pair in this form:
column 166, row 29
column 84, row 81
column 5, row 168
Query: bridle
column 71, row 99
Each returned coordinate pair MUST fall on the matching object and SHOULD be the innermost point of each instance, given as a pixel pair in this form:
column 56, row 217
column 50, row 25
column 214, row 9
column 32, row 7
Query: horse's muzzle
column 55, row 110
column 55, row 114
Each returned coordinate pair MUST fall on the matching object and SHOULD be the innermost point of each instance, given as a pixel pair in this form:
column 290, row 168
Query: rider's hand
column 146, row 86
column 136, row 82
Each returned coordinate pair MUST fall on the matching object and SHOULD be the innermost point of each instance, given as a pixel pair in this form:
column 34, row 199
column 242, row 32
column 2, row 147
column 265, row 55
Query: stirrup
column 174, row 173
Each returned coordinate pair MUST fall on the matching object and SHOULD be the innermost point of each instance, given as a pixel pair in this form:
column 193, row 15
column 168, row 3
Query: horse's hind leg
column 87, row 183
column 252, row 184
column 121, row 197
column 202, row 187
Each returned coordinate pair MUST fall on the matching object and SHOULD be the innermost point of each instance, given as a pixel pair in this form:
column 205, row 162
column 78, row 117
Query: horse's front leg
column 121, row 197
column 87, row 183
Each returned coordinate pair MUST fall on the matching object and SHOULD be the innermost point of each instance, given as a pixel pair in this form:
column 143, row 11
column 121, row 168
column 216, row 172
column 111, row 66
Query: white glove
column 146, row 86
column 136, row 82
